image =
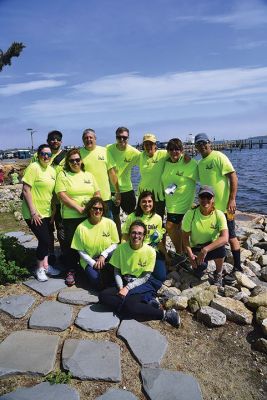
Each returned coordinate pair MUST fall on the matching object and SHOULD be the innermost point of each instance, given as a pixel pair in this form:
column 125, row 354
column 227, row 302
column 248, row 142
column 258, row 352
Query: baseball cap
column 201, row 137
column 149, row 137
column 206, row 189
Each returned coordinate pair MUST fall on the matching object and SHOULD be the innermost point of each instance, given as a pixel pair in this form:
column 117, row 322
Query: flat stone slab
column 25, row 238
column 77, row 296
column 25, row 352
column 43, row 391
column 16, row 235
column 169, row 385
column 96, row 318
column 147, row 344
column 97, row 360
column 16, row 306
column 117, row 394
column 53, row 285
column 51, row 315
column 233, row 309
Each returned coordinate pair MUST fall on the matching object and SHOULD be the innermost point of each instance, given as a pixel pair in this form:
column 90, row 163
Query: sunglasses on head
column 45, row 154
column 97, row 208
column 206, row 196
column 74, row 160
column 124, row 138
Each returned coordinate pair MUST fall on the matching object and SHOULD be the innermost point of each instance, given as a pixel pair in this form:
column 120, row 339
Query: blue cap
column 201, row 137
column 206, row 189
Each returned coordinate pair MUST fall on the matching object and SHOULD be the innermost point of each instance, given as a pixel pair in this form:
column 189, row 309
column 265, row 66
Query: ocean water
column 251, row 168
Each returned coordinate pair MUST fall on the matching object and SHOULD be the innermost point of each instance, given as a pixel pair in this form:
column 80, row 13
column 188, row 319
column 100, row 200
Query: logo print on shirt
column 180, row 173
column 101, row 158
column 142, row 263
column 126, row 160
column 87, row 181
column 210, row 166
column 106, row 234
column 213, row 226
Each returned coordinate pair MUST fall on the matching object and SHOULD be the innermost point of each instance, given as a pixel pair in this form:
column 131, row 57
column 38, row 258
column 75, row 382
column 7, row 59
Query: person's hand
column 193, row 260
column 81, row 209
column 100, row 262
column 117, row 200
column 201, row 256
column 123, row 292
column 36, row 219
column 231, row 206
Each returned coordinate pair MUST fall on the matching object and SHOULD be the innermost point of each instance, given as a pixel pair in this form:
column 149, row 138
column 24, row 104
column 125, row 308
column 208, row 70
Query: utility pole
column 32, row 131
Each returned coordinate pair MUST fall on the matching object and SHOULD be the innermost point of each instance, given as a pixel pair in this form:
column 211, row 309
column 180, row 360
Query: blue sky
column 171, row 67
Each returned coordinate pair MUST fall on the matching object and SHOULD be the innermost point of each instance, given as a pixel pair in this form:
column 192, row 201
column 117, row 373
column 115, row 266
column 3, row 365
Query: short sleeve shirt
column 212, row 172
column 42, row 182
column 153, row 223
column 93, row 239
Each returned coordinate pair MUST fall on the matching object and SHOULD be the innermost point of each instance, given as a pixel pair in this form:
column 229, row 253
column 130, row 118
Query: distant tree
column 14, row 51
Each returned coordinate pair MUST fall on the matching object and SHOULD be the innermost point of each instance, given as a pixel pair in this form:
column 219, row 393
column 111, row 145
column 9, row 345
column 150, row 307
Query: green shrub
column 14, row 251
column 58, row 377
column 9, row 271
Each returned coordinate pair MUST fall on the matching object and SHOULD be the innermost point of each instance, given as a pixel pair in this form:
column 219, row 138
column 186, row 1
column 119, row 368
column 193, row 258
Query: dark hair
column 138, row 223
column 67, row 159
column 54, row 133
column 87, row 131
column 92, row 202
column 138, row 211
column 175, row 143
column 122, row 129
column 41, row 147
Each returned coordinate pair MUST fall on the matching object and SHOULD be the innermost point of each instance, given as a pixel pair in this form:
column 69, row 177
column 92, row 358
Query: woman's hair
column 138, row 223
column 138, row 211
column 92, row 202
column 67, row 159
column 175, row 143
column 41, row 147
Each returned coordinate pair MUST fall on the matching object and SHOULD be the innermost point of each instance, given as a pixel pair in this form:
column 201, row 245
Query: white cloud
column 17, row 88
column 249, row 45
column 48, row 75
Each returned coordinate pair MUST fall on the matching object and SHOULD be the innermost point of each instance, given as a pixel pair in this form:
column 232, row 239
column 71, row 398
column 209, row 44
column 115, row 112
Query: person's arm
column 114, row 180
column 89, row 260
column 186, row 243
column 69, row 202
column 124, row 237
column 221, row 241
column 138, row 281
column 97, row 194
column 233, row 180
column 35, row 217
column 118, row 278
column 100, row 263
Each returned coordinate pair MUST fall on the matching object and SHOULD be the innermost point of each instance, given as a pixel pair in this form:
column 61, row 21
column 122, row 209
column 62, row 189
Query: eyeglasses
column 135, row 233
column 202, row 143
column 74, row 160
column 206, row 196
column 45, row 154
column 97, row 209
column 124, row 138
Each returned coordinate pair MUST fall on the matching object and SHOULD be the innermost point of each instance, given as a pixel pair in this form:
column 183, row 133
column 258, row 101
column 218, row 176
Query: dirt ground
column 222, row 360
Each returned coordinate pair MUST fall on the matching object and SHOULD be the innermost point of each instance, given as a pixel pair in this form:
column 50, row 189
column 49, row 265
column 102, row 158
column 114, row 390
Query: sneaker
column 41, row 275
column 52, row 271
column 216, row 279
column 154, row 303
column 172, row 317
column 70, row 278
column 200, row 271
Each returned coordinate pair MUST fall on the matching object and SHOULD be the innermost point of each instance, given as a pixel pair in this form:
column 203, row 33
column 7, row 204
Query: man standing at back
column 216, row 170
column 100, row 163
column 125, row 157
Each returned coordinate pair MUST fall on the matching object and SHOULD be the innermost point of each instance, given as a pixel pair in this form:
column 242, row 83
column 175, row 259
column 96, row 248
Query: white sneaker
column 41, row 275
column 52, row 271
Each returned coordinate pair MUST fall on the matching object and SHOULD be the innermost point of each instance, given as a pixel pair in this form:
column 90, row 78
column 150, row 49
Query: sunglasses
column 74, row 160
column 174, row 149
column 206, row 196
column 124, row 138
column 202, row 143
column 45, row 154
column 53, row 139
column 97, row 209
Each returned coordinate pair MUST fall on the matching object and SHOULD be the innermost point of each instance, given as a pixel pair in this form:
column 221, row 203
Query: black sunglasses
column 202, row 143
column 124, row 138
column 97, row 208
column 206, row 196
column 74, row 160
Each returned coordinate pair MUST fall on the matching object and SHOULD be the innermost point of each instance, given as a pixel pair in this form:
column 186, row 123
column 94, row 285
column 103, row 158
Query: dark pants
column 128, row 203
column 60, row 232
column 131, row 306
column 100, row 278
column 43, row 234
column 71, row 256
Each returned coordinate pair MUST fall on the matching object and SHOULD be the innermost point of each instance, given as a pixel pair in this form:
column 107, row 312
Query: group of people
column 82, row 192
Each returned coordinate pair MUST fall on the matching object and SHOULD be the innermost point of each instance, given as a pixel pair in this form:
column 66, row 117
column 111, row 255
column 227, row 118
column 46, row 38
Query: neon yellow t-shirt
column 151, row 169
column 212, row 172
column 93, row 239
column 98, row 161
column 134, row 262
column 184, row 176
column 203, row 228
column 124, row 160
column 153, row 224
column 42, row 182
column 80, row 186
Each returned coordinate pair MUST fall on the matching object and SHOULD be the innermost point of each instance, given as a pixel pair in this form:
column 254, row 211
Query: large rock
column 43, row 391
column 190, row 292
column 16, row 306
column 96, row 318
column 233, row 309
column 257, row 301
column 261, row 314
column 243, row 280
column 168, row 292
column 245, row 254
column 177, row 302
column 254, row 266
column 51, row 315
column 264, row 274
column 147, row 344
column 211, row 317
column 230, row 291
column 161, row 384
column 202, row 298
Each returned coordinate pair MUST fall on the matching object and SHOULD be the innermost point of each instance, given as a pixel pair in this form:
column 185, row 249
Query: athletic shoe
column 200, row 271
column 230, row 279
column 216, row 279
column 154, row 303
column 173, row 318
column 70, row 278
column 41, row 275
column 52, row 271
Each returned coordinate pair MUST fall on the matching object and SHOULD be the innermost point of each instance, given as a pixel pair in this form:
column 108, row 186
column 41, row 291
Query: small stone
column 241, row 296
column 117, row 394
column 254, row 266
column 96, row 318
column 51, row 315
column 261, row 345
column 167, row 292
column 177, row 302
column 258, row 290
column 16, row 306
column 169, row 282
column 230, row 291
column 245, row 290
column 227, row 267
column 243, row 280
column 244, row 254
column 211, row 317
column 264, row 327
column 233, row 309
column 261, row 314
column 43, row 391
column 192, row 291
column 264, row 274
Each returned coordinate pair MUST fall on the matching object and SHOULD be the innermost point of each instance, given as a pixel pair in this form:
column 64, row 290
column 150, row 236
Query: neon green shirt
column 133, row 262
column 203, row 228
column 93, row 239
column 212, row 172
column 80, row 186
column 185, row 177
column 42, row 182
column 99, row 162
column 151, row 169
column 124, row 160
column 153, row 224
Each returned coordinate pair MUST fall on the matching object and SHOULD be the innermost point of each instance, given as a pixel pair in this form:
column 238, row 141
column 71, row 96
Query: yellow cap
column 149, row 137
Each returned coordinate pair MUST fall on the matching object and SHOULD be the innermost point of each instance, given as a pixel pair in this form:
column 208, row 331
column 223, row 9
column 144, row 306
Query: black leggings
column 43, row 234
column 71, row 256
column 130, row 306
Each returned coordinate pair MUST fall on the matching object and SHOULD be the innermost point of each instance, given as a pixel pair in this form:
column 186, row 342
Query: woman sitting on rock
column 205, row 234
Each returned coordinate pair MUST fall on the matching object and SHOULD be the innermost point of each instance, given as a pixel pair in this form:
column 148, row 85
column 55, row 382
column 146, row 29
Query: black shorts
column 175, row 218
column 231, row 227
column 220, row 252
column 160, row 208
column 128, row 203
